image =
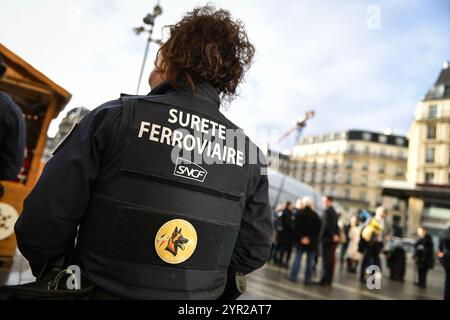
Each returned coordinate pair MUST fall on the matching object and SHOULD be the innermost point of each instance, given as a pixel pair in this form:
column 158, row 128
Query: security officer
column 160, row 196
column 12, row 135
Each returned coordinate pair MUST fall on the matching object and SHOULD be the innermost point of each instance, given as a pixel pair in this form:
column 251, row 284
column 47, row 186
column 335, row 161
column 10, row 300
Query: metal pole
column 143, row 62
column 149, row 19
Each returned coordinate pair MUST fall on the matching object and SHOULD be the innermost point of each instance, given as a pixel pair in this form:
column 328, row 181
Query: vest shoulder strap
column 128, row 107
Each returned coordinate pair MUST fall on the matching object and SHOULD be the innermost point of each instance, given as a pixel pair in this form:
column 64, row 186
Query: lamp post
column 149, row 20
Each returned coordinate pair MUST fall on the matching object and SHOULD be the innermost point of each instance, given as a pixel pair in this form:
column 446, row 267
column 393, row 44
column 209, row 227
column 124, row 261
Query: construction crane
column 298, row 127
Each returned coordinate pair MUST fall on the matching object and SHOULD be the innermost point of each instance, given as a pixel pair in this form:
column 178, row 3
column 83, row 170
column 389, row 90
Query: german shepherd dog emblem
column 176, row 241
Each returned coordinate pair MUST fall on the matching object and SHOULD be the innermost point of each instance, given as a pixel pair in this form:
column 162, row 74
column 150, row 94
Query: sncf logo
column 189, row 170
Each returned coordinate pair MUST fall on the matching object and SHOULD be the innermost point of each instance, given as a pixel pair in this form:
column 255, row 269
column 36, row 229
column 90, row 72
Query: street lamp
column 148, row 20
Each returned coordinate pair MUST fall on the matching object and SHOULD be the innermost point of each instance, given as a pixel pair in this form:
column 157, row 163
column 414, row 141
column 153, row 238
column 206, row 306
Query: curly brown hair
column 207, row 45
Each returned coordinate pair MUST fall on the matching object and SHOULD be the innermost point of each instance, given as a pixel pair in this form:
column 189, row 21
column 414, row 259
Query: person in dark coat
column 12, row 134
column 277, row 227
column 424, row 255
column 307, row 230
column 330, row 239
column 286, row 235
column 444, row 256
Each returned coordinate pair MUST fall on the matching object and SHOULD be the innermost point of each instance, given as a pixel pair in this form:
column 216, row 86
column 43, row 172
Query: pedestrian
column 372, row 236
column 277, row 227
column 307, row 230
column 286, row 235
column 424, row 256
column 298, row 207
column 397, row 230
column 329, row 238
column 344, row 236
column 353, row 256
column 444, row 258
column 12, row 134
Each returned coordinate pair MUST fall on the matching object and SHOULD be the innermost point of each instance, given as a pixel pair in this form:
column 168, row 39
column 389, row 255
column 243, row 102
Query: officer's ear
column 156, row 77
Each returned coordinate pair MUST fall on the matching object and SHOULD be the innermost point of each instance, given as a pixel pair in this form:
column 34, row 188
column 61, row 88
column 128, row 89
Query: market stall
column 40, row 100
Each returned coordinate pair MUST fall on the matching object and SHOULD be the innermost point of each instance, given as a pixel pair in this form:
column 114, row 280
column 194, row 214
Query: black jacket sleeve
column 12, row 138
column 254, row 242
column 47, row 227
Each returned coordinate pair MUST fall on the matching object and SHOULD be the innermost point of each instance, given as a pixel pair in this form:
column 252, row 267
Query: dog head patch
column 176, row 241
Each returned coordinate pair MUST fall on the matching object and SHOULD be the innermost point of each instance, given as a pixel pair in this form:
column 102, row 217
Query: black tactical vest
column 169, row 217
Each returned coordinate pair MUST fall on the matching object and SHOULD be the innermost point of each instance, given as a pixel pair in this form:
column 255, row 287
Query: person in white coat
column 353, row 256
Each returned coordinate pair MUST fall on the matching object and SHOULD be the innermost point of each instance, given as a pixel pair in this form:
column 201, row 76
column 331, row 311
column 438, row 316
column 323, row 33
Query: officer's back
column 165, row 197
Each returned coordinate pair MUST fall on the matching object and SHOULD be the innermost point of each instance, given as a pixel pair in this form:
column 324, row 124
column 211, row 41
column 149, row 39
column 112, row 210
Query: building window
column 440, row 212
column 352, row 148
column 335, row 178
column 432, row 112
column 429, row 177
column 364, row 180
column 400, row 141
column 429, row 155
column 382, row 168
column 399, row 171
column 396, row 205
column 349, row 164
column 382, row 139
column 362, row 196
column 366, row 150
column 382, row 152
column 367, row 136
column 365, row 166
column 336, row 164
column 448, row 179
column 431, row 131
column 347, row 193
column 439, row 91
column 334, row 192
column 318, row 177
column 379, row 201
column 348, row 179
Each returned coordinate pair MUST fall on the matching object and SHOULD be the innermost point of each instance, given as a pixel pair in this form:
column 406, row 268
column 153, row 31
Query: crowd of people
column 359, row 244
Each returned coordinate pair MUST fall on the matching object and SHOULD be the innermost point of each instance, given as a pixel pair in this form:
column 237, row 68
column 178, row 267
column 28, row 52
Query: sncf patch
column 189, row 170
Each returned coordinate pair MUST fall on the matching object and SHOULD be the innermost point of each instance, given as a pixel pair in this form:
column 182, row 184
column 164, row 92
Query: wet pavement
column 271, row 282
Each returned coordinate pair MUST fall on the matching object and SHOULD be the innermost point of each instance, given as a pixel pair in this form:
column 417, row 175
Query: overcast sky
column 336, row 57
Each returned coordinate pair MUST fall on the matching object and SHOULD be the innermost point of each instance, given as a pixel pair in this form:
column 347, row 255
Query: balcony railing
column 426, row 115
column 378, row 154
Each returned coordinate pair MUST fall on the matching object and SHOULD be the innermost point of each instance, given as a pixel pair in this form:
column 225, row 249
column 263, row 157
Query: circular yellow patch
column 176, row 241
